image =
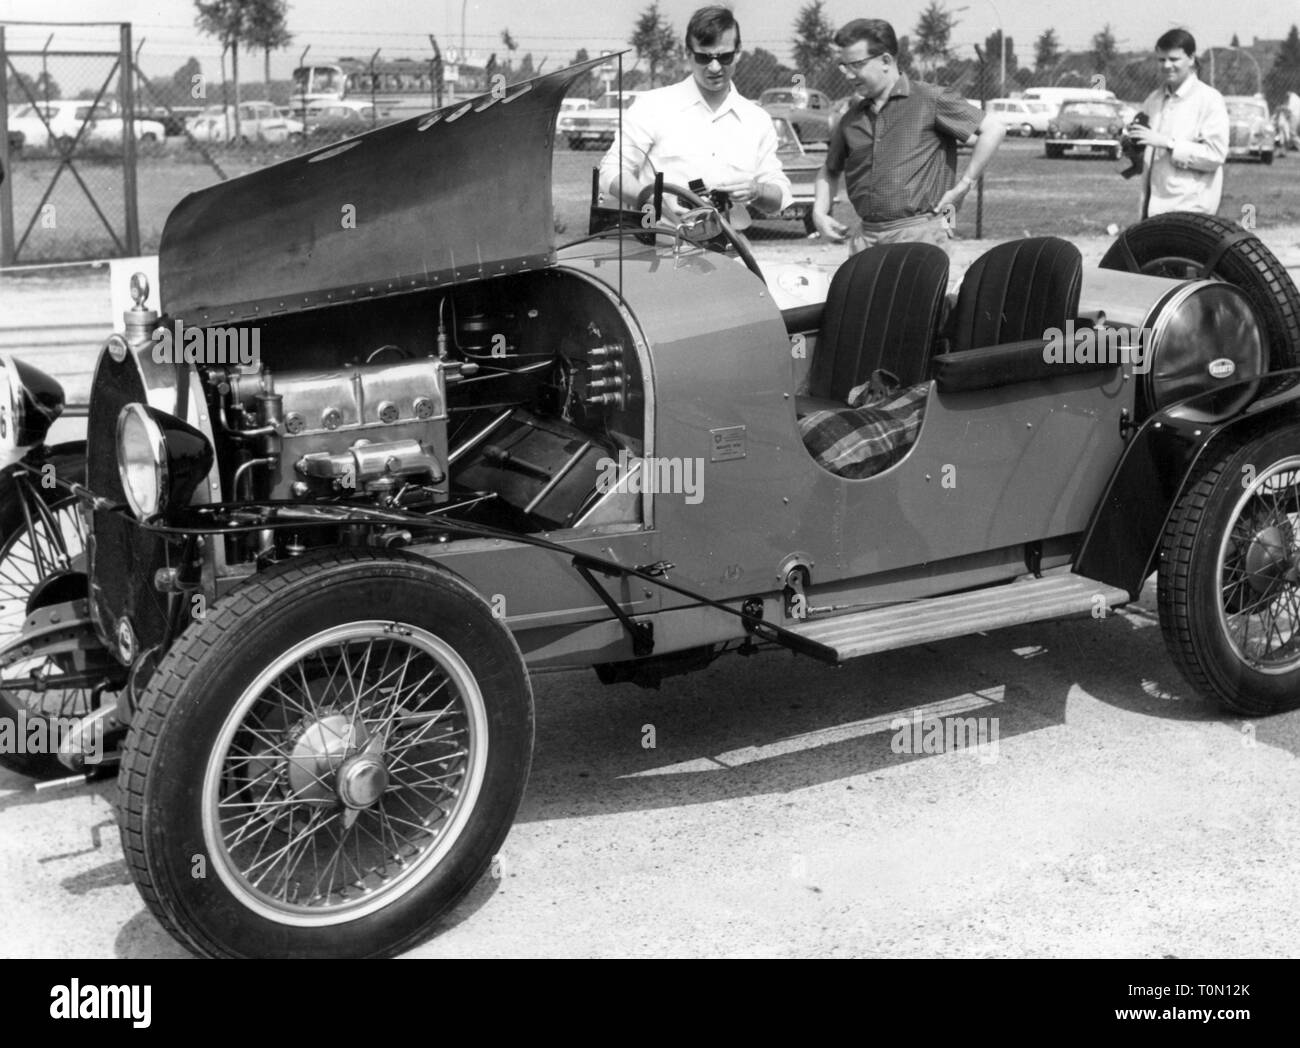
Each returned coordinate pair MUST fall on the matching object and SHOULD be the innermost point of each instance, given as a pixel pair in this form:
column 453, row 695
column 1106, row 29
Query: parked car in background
column 173, row 119
column 1021, row 116
column 1250, row 129
column 811, row 126
column 1085, row 129
column 333, row 121
column 69, row 121
column 797, row 98
column 800, row 167
column 570, row 108
column 1058, row 96
column 597, row 126
column 258, row 122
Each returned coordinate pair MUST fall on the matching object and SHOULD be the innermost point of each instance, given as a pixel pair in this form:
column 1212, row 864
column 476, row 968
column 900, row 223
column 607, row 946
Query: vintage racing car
column 385, row 450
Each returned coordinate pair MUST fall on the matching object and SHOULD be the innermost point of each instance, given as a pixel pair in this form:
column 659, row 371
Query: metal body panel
column 396, row 209
column 1123, row 538
column 991, row 468
column 535, row 588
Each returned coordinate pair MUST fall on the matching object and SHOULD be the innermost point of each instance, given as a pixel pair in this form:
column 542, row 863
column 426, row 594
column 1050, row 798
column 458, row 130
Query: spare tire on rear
column 1184, row 245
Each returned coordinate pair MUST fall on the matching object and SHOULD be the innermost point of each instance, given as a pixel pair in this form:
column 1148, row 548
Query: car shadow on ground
column 774, row 723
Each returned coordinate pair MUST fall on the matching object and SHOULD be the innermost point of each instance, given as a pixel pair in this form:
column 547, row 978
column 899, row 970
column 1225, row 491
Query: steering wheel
column 733, row 238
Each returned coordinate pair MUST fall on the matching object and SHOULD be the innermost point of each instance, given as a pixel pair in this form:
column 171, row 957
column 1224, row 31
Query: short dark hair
column 709, row 23
column 878, row 34
column 1175, row 39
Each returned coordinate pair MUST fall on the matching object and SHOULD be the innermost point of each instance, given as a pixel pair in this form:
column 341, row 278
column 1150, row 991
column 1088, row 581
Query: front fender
column 1123, row 538
column 30, row 402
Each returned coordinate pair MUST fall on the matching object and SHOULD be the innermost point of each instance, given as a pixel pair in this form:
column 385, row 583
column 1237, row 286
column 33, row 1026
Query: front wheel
column 1266, row 158
column 326, row 763
column 1229, row 578
column 42, row 541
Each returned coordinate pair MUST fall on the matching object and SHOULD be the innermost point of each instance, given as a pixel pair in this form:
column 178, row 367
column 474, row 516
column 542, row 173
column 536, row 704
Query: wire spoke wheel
column 1229, row 575
column 1259, row 566
column 347, row 768
column 46, row 543
column 42, row 536
column 327, row 761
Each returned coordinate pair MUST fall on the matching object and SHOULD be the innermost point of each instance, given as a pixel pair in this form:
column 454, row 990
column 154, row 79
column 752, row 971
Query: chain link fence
column 78, row 189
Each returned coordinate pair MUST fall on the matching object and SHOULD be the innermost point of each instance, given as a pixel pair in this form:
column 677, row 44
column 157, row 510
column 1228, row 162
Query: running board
column 940, row 618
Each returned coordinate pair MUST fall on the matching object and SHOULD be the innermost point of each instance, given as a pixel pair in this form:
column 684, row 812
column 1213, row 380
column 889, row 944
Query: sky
column 556, row 29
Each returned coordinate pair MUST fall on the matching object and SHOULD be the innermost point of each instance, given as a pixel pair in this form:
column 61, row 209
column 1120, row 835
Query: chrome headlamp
column 160, row 459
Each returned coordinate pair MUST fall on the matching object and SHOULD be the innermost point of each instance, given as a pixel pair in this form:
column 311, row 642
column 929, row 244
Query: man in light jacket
column 1187, row 141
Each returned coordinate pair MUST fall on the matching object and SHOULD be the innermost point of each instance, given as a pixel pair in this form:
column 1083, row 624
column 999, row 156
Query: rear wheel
column 1053, row 152
column 1027, row 130
column 1180, row 244
column 1266, row 158
column 1229, row 578
column 41, row 537
column 339, row 747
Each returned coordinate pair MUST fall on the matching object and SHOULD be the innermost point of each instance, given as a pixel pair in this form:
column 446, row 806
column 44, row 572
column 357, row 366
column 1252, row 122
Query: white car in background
column 64, row 120
column 569, row 108
column 1020, row 116
column 597, row 125
column 258, row 122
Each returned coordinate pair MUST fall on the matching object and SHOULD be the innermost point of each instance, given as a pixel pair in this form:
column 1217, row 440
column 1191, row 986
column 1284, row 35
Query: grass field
column 1025, row 193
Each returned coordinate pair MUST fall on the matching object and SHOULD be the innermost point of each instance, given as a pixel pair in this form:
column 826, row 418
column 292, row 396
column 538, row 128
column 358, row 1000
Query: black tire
column 148, row 136
column 19, row 575
column 1026, row 130
column 1227, row 551
column 578, row 144
column 178, row 774
column 1053, row 152
column 1266, row 158
column 1179, row 243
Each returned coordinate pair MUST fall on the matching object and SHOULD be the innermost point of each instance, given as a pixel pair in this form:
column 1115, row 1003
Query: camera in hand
column 1134, row 150
column 716, row 197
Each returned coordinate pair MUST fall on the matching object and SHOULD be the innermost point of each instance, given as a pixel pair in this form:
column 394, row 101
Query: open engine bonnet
column 460, row 193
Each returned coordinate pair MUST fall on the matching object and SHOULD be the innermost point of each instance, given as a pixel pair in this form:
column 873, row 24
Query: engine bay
column 498, row 401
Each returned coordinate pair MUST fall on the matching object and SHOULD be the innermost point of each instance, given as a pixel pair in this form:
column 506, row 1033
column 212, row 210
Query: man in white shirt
column 700, row 128
column 1187, row 141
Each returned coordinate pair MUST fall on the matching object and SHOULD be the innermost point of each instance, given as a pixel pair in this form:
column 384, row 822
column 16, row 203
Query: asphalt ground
column 1112, row 812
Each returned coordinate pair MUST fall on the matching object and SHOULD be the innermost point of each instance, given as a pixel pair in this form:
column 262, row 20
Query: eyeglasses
column 723, row 58
column 858, row 66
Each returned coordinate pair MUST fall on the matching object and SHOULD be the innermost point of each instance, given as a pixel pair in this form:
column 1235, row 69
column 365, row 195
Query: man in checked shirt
column 1187, row 141
column 897, row 148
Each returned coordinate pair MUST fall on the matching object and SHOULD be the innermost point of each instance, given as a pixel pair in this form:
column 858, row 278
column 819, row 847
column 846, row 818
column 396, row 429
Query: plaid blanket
column 857, row 442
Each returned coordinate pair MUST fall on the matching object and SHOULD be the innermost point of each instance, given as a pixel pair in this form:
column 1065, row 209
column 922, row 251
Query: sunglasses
column 724, row 58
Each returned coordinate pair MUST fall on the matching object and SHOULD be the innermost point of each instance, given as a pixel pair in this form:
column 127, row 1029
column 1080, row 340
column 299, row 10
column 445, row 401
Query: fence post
column 126, row 93
column 6, row 163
